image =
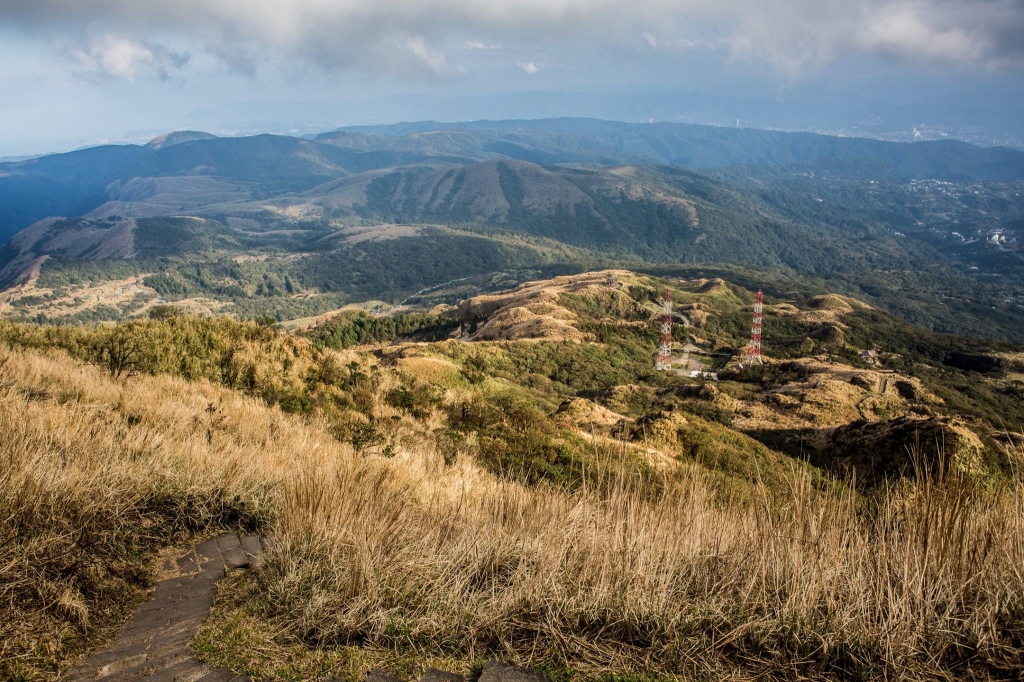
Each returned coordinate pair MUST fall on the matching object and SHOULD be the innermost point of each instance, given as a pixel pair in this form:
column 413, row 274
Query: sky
column 81, row 72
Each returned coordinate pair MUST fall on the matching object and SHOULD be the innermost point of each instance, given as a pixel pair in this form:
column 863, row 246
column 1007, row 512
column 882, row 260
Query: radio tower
column 664, row 363
column 754, row 349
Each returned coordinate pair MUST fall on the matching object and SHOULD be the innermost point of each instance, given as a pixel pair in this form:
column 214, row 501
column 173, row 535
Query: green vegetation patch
column 355, row 329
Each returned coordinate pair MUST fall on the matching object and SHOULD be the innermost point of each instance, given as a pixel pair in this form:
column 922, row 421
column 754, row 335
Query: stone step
column 231, row 550
column 154, row 644
column 378, row 675
column 495, row 671
column 253, row 550
column 169, row 672
column 227, row 541
column 235, row 558
column 153, row 665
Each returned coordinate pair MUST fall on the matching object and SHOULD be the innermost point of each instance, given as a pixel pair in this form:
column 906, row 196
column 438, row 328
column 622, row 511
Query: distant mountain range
column 78, row 182
column 902, row 224
column 698, row 146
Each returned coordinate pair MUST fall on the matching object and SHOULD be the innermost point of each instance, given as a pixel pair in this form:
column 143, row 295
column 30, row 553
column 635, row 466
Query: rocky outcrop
column 876, row 451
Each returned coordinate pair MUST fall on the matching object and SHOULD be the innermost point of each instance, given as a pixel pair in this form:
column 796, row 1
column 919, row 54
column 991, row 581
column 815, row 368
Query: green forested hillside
column 659, row 214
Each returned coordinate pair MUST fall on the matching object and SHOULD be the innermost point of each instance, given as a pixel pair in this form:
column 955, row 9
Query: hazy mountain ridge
column 76, row 183
column 660, row 214
column 710, row 146
column 178, row 137
column 536, row 146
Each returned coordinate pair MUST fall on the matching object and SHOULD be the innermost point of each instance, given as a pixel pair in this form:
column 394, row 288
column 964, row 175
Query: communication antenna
column 754, row 348
column 664, row 362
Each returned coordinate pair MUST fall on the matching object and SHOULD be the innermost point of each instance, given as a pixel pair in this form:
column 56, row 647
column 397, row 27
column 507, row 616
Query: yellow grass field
column 414, row 552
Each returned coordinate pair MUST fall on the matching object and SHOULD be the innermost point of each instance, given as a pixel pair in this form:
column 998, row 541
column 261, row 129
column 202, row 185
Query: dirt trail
column 154, row 645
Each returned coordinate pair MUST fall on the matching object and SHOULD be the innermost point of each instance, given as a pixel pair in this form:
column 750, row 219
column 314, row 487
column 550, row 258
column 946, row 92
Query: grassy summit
column 509, row 478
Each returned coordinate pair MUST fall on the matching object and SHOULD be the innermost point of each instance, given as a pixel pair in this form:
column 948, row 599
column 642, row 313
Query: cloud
column 431, row 58
column 124, row 58
column 529, row 67
column 904, row 31
column 680, row 44
column 805, row 35
column 409, row 38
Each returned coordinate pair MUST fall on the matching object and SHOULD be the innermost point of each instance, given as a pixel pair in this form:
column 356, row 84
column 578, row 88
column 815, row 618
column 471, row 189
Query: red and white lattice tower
column 754, row 349
column 665, row 349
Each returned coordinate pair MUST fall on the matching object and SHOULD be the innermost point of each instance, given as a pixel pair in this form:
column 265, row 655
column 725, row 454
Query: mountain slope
column 390, row 232
column 78, row 182
column 661, row 214
column 537, row 146
column 295, row 226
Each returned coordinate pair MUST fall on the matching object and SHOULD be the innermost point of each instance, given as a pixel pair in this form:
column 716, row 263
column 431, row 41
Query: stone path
column 154, row 645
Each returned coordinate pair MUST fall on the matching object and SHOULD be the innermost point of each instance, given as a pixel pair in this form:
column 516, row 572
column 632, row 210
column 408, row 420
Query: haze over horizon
column 75, row 74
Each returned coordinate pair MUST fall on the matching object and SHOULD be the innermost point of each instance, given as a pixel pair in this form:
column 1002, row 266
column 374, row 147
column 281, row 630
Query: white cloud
column 680, row 44
column 529, row 67
column 432, row 58
column 798, row 36
column 477, row 45
column 128, row 59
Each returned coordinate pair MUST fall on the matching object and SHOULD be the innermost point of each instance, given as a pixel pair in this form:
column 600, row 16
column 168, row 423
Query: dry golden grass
column 96, row 474
column 428, row 555
column 928, row 583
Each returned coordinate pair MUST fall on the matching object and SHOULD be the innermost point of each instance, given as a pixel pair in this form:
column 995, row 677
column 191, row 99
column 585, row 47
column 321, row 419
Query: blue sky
column 76, row 72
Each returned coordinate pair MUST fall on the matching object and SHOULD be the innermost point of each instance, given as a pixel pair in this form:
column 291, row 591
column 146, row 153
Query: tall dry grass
column 96, row 474
column 630, row 572
column 924, row 582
